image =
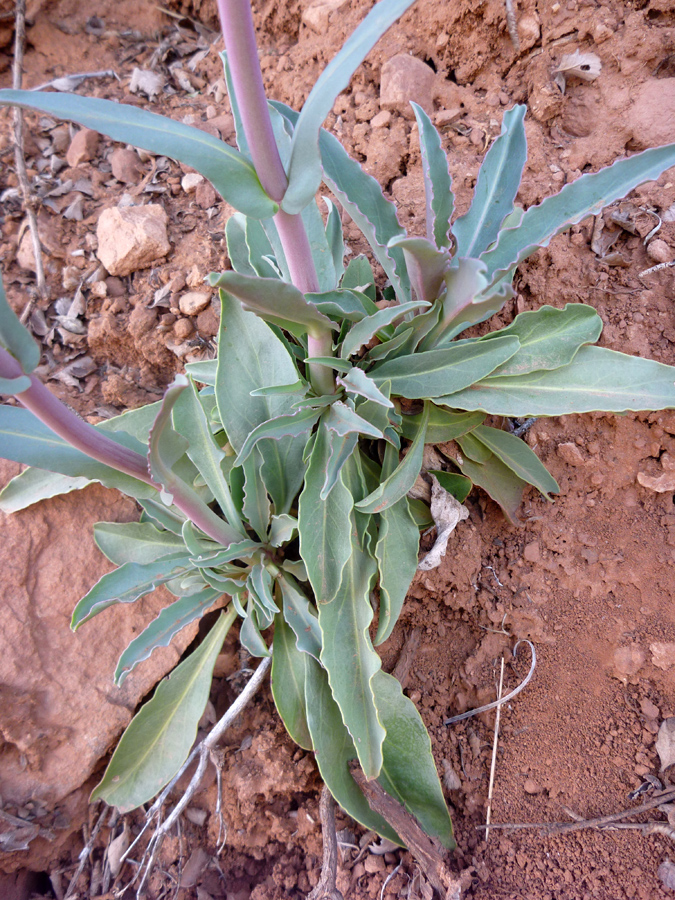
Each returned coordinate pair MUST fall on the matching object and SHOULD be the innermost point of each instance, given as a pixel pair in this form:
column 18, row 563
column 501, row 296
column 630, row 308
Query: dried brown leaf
column 666, row 872
column 586, row 66
column 665, row 743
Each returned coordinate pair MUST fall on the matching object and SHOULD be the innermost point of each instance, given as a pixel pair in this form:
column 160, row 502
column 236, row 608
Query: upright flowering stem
column 242, row 54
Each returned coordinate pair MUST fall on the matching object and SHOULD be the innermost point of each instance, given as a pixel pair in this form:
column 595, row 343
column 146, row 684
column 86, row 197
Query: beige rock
column 529, row 30
column 317, row 14
column 663, row 655
column 406, row 78
column 663, row 483
column 192, row 303
column 190, row 181
column 83, row 147
column 531, row 786
column 381, row 120
column 659, row 251
column 59, row 709
column 628, row 661
column 651, row 117
column 571, row 454
column 205, row 195
column 126, row 166
column 531, row 552
column 132, row 238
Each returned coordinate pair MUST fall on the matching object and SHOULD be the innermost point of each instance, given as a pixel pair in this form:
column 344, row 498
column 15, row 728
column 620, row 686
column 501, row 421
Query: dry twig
column 326, row 888
column 493, row 764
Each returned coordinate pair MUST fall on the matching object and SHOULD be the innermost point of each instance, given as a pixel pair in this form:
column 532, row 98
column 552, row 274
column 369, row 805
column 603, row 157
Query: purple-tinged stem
column 78, row 433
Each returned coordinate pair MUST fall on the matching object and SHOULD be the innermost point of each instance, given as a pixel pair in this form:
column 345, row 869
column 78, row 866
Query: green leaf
column 342, row 420
column 457, row 485
column 473, row 448
column 282, row 529
column 348, row 656
column 137, row 542
column 461, row 302
column 359, row 277
column 304, row 169
column 237, row 249
column 335, row 238
column 404, row 339
column 515, row 453
column 334, row 750
column 425, row 374
column 249, row 633
column 289, row 425
column 549, row 338
column 409, row 771
column 12, row 386
column 343, row 304
column 396, row 553
column 325, row 527
column 275, row 301
column 301, row 616
column 404, row 476
column 298, row 387
column 341, row 449
column 160, row 633
column 497, row 480
column 496, row 188
column 25, row 439
column 597, row 379
column 443, row 424
column 231, row 174
column 256, row 502
column 191, row 421
column 260, row 250
column 17, row 340
column 440, row 200
column 288, row 683
column 171, row 520
column 159, row 737
column 128, row 583
column 362, row 332
column 586, row 196
column 318, row 243
column 33, row 485
column 204, row 371
column 426, row 265
column 357, row 382
column 242, row 550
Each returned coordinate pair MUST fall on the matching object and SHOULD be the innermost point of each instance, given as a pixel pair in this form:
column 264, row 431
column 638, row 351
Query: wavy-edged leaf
column 128, row 583
column 444, row 425
column 440, row 200
column 362, row 332
column 498, row 481
column 25, row 439
column 409, row 771
column 359, row 277
column 33, row 485
column 496, row 188
column 341, row 449
column 159, row 737
column 586, row 196
column 138, row 542
column 163, row 629
column 169, row 519
column 289, row 425
column 460, row 303
column 231, row 174
column 515, row 453
column 301, row 616
column 16, row 339
column 402, row 478
column 596, row 379
column 357, row 382
column 304, row 169
column 203, row 371
column 256, row 507
column 275, row 301
column 325, row 544
column 241, row 550
column 396, row 554
column 288, row 683
column 237, row 247
column 282, row 529
column 342, row 419
column 249, row 633
column 343, row 304
column 334, row 750
column 426, row 265
column 424, row 375
column 549, row 337
column 190, row 419
column 349, row 658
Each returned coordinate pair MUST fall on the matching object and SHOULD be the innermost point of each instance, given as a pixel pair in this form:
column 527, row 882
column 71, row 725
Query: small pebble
column 192, row 303
column 659, row 251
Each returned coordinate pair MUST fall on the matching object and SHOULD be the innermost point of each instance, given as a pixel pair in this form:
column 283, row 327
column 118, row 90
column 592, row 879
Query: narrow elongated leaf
column 334, row 750
column 443, row 424
column 159, row 633
column 304, row 170
column 464, row 282
column 25, row 439
column 409, row 771
column 426, row 265
column 597, row 379
column 342, row 420
column 335, row 238
column 440, row 200
column 128, row 583
column 138, row 542
column 33, row 485
column 425, row 374
column 171, row 520
column 190, row 420
column 241, row 550
column 473, row 448
column 256, row 502
column 237, row 248
column 318, row 243
column 276, row 301
column 288, row 683
column 515, row 453
column 396, row 553
column 259, row 248
column 231, row 174
column 496, row 188
column 549, row 338
column 16, row 339
column 349, row 658
column 404, row 476
column 289, row 425
column 325, row 544
column 404, row 339
column 586, row 196
column 249, row 633
column 301, row 616
column 497, row 480
column 283, row 469
column 341, row 449
column 160, row 736
column 343, row 304
column 362, row 332
column 357, row 382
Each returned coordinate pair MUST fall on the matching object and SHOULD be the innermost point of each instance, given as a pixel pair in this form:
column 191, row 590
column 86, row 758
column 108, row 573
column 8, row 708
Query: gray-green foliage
column 304, row 495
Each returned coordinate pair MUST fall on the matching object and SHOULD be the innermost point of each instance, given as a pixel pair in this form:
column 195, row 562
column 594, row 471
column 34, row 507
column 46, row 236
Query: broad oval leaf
column 33, row 485
column 288, row 683
column 424, row 375
column 498, row 481
column 231, row 174
column 596, row 380
column 159, row 737
column 138, row 542
column 515, row 453
column 444, row 425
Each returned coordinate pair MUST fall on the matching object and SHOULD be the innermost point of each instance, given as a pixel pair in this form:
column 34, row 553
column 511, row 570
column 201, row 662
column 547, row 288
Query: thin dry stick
column 20, row 162
column 488, row 815
column 512, row 24
column 84, row 853
column 326, row 888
